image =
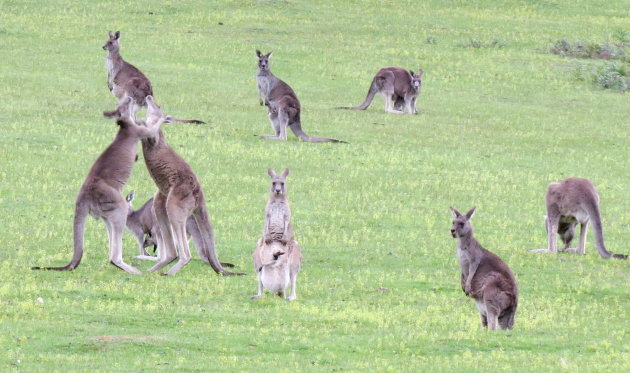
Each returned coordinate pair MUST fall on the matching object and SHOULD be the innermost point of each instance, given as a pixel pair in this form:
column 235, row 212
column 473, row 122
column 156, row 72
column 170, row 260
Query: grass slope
column 379, row 288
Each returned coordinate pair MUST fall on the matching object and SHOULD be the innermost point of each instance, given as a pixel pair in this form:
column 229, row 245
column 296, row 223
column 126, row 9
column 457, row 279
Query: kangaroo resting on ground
column 570, row 202
column 399, row 87
column 277, row 257
column 101, row 193
column 485, row 277
column 179, row 196
column 125, row 80
column 283, row 105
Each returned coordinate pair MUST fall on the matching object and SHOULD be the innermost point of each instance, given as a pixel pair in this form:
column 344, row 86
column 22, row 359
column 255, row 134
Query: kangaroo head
column 154, row 113
column 416, row 78
column 124, row 111
column 278, row 187
column 461, row 224
column 566, row 230
column 263, row 60
column 112, row 43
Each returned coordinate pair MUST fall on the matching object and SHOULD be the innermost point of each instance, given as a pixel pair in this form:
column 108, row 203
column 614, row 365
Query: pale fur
column 101, row 193
column 399, row 87
column 277, row 257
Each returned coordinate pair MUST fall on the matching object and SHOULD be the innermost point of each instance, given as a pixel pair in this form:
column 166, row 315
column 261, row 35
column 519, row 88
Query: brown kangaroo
column 125, row 80
column 283, row 105
column 275, row 270
column 570, row 202
column 399, row 87
column 485, row 277
column 179, row 196
column 101, row 193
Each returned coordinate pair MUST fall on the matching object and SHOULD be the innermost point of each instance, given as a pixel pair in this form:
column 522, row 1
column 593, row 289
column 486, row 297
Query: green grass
column 379, row 290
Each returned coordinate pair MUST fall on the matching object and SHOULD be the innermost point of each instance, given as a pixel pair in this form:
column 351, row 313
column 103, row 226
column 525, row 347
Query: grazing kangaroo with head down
column 179, row 196
column 485, row 277
column 125, row 80
column 277, row 257
column 570, row 202
column 143, row 225
column 399, row 87
column 283, row 105
column 101, row 193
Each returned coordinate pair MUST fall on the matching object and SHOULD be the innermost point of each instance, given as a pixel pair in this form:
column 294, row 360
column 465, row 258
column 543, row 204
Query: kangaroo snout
column 453, row 233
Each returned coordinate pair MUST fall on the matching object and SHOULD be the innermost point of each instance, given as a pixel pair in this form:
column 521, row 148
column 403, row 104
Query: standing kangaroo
column 179, row 196
column 570, row 202
column 277, row 257
column 125, row 80
column 101, row 193
column 283, row 105
column 399, row 87
column 485, row 277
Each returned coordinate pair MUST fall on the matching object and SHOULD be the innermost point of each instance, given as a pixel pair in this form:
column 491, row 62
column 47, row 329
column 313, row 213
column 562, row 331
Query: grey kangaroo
column 179, row 196
column 277, row 257
column 125, row 80
column 573, row 201
column 283, row 105
column 485, row 277
column 399, row 87
column 143, row 225
column 101, row 193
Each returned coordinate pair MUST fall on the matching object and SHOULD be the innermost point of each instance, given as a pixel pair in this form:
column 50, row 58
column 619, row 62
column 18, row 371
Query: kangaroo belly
column 275, row 278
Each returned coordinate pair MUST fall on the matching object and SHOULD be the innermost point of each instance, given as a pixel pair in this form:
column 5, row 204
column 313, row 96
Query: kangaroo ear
column 456, row 214
column 420, row 72
column 285, row 173
column 470, row 213
column 258, row 53
column 110, row 34
column 117, row 35
column 412, row 73
column 130, row 196
column 271, row 172
column 269, row 54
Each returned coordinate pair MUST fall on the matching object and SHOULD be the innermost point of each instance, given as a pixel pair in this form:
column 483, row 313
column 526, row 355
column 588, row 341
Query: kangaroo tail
column 194, row 121
column 193, row 230
column 596, row 220
column 368, row 99
column 205, row 242
column 297, row 130
column 80, row 216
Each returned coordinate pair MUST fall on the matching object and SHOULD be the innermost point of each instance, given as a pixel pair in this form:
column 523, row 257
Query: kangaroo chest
column 277, row 219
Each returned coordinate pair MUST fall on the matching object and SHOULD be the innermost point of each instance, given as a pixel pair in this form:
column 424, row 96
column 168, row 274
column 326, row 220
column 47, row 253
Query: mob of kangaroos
column 399, row 88
column 485, row 277
column 283, row 105
column 179, row 196
column 125, row 80
column 573, row 201
column 277, row 257
column 101, row 193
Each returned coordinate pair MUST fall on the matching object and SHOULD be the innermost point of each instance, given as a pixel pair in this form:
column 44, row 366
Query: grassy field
column 379, row 289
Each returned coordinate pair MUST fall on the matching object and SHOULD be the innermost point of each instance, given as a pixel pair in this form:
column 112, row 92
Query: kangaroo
column 283, row 105
column 573, row 201
column 125, row 80
column 485, row 277
column 179, row 196
column 141, row 224
column 101, row 193
column 277, row 257
column 399, row 87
